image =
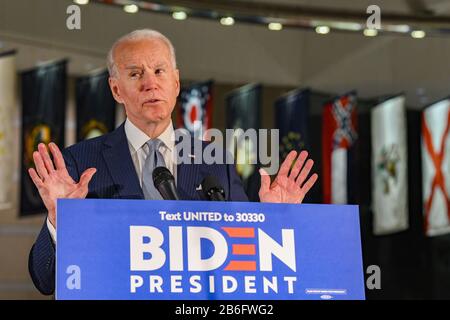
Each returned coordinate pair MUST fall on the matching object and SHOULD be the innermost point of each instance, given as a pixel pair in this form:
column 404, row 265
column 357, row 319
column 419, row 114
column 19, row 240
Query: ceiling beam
column 422, row 16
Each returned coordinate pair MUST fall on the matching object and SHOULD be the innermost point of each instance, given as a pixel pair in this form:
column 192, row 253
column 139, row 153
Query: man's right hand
column 53, row 181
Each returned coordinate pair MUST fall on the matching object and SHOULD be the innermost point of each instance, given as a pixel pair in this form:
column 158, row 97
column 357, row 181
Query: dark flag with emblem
column 43, row 116
column 291, row 119
column 339, row 137
column 195, row 108
column 96, row 107
column 243, row 112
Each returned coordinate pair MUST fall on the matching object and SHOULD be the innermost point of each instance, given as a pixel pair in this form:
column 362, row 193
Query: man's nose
column 149, row 82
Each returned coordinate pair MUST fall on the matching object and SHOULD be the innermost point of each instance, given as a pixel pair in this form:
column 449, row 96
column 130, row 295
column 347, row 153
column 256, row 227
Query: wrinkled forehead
column 142, row 51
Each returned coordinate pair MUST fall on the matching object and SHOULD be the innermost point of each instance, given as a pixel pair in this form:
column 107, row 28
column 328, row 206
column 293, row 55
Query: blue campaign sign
column 199, row 250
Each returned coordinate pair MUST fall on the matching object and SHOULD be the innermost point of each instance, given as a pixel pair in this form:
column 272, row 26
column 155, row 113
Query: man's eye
column 159, row 71
column 134, row 74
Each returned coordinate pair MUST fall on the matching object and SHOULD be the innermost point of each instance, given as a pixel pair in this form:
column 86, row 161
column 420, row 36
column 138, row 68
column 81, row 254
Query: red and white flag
column 339, row 136
column 436, row 167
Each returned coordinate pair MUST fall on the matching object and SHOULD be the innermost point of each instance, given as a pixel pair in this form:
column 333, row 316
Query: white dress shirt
column 139, row 150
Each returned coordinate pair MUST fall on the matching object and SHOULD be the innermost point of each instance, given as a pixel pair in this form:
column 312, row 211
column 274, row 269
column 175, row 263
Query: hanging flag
column 436, row 167
column 195, row 110
column 389, row 166
column 43, row 117
column 339, row 137
column 291, row 119
column 7, row 105
column 96, row 107
column 243, row 112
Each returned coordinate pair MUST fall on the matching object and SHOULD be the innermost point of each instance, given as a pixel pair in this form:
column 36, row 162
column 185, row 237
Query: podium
column 200, row 250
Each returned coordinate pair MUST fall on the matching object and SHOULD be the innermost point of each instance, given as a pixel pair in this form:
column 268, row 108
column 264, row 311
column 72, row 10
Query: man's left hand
column 288, row 187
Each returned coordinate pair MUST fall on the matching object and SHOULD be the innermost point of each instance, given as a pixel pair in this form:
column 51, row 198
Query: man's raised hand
column 288, row 187
column 53, row 180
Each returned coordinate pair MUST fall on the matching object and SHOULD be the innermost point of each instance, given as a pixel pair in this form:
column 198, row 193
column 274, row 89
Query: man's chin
column 157, row 118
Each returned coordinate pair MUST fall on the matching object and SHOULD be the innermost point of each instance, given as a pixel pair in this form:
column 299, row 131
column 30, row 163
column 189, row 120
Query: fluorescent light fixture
column 402, row 28
column 275, row 26
column 130, row 8
column 179, row 15
column 350, row 26
column 323, row 29
column 81, row 2
column 370, row 32
column 418, row 34
column 227, row 21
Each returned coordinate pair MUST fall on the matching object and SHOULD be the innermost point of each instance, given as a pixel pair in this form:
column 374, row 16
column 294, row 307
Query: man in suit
column 145, row 79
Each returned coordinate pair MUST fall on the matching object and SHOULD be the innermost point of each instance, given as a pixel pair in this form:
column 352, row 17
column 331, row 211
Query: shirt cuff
column 52, row 231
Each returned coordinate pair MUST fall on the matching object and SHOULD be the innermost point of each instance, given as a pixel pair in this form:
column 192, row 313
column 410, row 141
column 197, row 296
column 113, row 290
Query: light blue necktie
column 154, row 159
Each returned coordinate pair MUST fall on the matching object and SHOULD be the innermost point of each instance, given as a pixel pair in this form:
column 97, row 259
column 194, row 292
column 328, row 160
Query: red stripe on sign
column 244, row 249
column 240, row 232
column 241, row 266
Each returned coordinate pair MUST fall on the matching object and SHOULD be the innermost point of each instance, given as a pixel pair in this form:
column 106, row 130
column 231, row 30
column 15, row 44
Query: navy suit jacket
column 116, row 178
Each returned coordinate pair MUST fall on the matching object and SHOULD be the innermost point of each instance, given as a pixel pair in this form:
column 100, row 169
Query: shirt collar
column 137, row 138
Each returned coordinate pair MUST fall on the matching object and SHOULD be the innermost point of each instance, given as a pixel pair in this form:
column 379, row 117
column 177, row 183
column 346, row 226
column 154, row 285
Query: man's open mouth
column 151, row 101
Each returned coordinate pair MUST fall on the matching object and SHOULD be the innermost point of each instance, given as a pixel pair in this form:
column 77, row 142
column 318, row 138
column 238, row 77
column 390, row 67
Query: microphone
column 212, row 189
column 165, row 183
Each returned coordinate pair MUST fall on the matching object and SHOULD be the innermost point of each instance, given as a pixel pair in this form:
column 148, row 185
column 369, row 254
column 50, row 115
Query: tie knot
column 154, row 144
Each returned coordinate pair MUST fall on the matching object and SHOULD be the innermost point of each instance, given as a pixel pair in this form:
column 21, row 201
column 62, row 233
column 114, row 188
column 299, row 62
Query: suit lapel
column 189, row 176
column 120, row 165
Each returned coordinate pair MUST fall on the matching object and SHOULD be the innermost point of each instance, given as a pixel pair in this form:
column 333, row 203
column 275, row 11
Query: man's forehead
column 136, row 52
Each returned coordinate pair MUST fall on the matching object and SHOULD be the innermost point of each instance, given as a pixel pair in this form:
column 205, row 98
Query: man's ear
column 115, row 89
column 177, row 78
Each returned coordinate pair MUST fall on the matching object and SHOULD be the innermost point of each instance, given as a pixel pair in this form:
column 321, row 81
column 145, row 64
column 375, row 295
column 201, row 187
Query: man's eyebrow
column 162, row 64
column 133, row 67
